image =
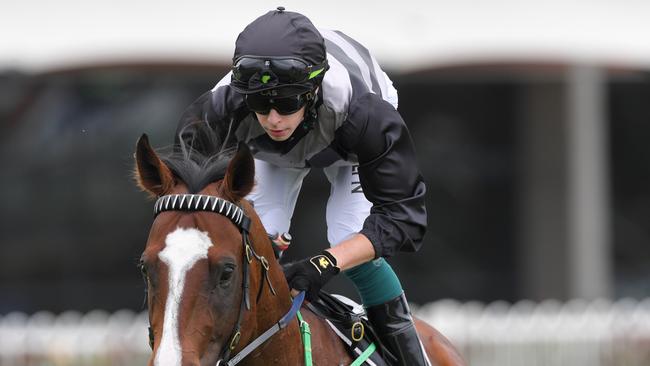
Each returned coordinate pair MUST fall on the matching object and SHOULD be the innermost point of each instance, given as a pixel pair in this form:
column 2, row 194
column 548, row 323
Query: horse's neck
column 283, row 348
column 286, row 346
column 271, row 307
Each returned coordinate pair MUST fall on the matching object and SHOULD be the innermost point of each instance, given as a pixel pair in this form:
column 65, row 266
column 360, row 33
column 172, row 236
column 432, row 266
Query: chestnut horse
column 216, row 295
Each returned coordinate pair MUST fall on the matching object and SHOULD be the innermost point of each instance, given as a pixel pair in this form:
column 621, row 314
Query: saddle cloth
column 350, row 323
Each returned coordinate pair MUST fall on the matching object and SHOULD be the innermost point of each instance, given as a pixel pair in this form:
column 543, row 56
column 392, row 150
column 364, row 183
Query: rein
column 199, row 202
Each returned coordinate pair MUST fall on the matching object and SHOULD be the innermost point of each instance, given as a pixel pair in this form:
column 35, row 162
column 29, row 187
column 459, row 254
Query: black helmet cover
column 280, row 51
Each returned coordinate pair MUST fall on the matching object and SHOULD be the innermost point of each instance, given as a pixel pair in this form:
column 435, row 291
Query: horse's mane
column 198, row 157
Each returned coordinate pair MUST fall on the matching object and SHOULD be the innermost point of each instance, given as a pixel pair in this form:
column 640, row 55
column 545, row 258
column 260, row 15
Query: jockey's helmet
column 279, row 54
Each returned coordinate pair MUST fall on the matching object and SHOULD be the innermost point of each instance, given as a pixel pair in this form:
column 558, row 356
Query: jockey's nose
column 274, row 117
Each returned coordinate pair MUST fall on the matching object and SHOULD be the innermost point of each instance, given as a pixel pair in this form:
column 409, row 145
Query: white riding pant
column 276, row 191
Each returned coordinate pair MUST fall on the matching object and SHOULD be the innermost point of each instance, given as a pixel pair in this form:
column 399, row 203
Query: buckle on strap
column 249, row 253
column 265, row 263
column 235, row 340
column 357, row 331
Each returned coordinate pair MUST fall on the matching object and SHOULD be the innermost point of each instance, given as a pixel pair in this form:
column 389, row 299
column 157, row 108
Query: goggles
column 286, row 70
column 263, row 104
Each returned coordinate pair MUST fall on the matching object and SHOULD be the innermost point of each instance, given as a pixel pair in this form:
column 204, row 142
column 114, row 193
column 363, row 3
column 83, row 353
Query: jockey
column 302, row 98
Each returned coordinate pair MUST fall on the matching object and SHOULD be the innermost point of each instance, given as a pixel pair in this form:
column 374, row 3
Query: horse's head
column 199, row 253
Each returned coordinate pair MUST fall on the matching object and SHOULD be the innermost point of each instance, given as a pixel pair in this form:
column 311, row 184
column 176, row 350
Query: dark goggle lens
column 287, row 105
column 288, row 71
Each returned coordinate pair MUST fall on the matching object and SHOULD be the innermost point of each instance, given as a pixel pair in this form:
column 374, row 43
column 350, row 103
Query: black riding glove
column 311, row 274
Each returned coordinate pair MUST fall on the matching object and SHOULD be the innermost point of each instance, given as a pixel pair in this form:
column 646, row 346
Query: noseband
column 199, row 202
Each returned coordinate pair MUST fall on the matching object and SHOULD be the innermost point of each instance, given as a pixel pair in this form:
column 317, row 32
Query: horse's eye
column 226, row 274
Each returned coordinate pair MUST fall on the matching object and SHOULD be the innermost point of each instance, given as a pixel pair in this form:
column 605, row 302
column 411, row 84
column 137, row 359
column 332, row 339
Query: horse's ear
column 151, row 174
column 240, row 175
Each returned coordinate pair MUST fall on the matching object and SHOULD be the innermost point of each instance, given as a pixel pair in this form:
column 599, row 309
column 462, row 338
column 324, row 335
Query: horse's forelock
column 200, row 156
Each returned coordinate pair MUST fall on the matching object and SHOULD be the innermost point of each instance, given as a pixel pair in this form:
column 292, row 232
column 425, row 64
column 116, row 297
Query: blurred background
column 531, row 121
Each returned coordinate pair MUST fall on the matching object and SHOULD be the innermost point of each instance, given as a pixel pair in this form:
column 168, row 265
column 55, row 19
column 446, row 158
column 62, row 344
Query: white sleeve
column 224, row 81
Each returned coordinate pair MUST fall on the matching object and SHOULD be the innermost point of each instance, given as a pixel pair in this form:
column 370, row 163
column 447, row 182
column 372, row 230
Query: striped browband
column 200, row 202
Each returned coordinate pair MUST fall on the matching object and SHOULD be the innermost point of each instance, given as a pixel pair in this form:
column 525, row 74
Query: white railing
column 71, row 338
column 598, row 333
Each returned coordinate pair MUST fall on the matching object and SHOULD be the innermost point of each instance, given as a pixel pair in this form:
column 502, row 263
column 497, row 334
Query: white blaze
column 183, row 248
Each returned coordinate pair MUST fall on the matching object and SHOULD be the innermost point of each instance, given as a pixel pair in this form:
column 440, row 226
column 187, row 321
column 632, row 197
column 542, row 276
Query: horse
column 216, row 295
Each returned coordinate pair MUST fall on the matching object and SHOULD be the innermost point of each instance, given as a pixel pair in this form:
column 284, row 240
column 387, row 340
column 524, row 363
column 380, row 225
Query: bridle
column 199, row 202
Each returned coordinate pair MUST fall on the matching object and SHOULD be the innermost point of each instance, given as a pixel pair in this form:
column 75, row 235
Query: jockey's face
column 280, row 127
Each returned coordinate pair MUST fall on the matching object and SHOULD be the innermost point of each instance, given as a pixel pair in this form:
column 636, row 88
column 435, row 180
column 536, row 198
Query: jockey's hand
column 311, row 274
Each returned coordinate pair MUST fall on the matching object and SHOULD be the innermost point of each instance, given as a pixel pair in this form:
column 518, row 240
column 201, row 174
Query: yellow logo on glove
column 323, row 262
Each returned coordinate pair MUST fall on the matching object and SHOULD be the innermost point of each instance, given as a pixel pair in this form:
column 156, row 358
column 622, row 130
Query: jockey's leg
column 376, row 282
column 394, row 324
column 388, row 311
column 275, row 193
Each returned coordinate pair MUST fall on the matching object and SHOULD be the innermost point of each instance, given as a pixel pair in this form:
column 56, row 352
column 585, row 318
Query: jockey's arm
column 219, row 109
column 353, row 252
column 389, row 175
